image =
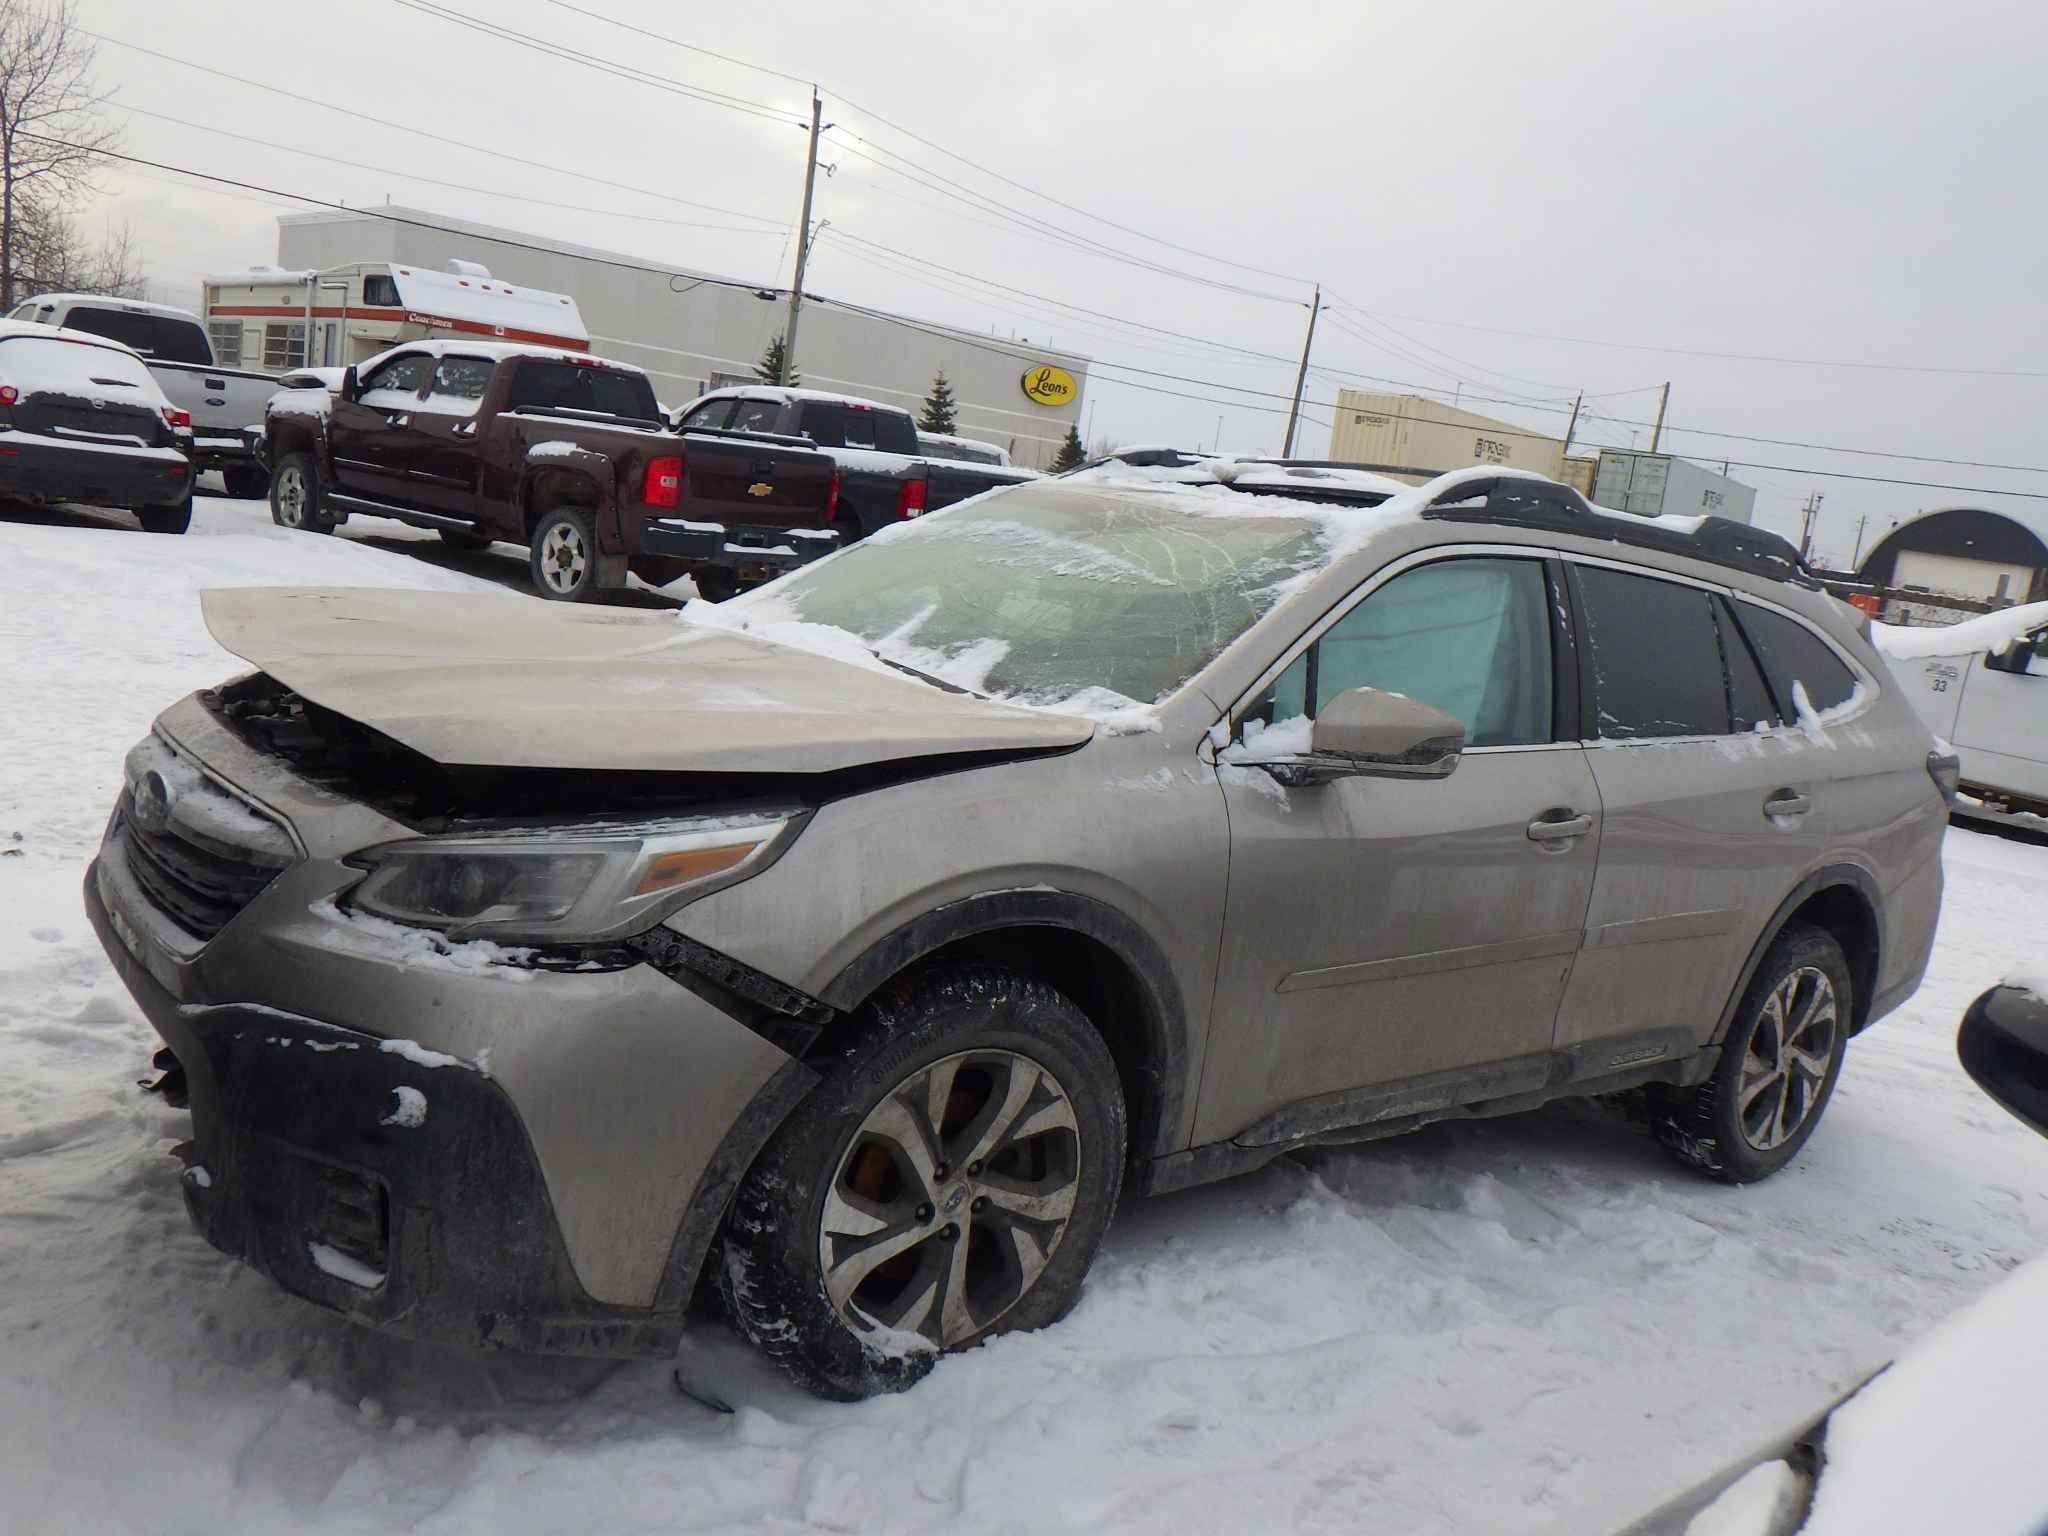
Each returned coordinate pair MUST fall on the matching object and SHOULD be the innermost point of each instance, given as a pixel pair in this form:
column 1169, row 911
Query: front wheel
column 166, row 519
column 1778, row 1065
column 949, row 1179
column 295, row 495
column 567, row 565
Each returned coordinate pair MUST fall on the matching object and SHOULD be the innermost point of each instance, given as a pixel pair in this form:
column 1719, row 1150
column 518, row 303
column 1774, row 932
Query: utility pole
column 1574, row 426
column 1856, row 559
column 1658, row 430
column 1301, row 377
column 1811, row 510
column 803, row 244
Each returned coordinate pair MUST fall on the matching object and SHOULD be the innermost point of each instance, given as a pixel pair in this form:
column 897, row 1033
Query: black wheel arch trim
column 1831, row 877
column 1164, row 1025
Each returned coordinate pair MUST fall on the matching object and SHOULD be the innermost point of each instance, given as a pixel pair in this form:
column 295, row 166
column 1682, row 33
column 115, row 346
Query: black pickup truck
column 564, row 453
column 884, row 475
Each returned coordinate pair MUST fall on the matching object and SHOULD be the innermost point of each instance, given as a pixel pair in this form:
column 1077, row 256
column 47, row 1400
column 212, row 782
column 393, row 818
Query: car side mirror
column 1365, row 732
column 2003, row 1045
column 351, row 386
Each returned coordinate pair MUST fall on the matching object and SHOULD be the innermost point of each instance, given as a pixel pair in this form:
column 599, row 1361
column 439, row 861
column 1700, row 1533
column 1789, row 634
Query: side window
column 178, row 341
column 396, row 384
column 131, row 330
column 713, row 415
column 380, row 289
column 858, row 430
column 1470, row 637
column 1653, row 657
column 1749, row 699
column 284, row 345
column 459, row 384
column 756, row 415
column 1794, row 657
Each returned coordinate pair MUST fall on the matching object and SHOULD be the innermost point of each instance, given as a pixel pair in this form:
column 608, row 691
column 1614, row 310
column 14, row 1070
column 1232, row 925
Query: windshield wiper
column 924, row 677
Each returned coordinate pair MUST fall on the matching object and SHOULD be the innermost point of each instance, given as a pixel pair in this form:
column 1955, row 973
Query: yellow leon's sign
column 1048, row 385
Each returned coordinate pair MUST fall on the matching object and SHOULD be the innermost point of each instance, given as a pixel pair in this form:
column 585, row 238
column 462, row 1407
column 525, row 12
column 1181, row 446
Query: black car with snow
column 885, row 474
column 81, row 420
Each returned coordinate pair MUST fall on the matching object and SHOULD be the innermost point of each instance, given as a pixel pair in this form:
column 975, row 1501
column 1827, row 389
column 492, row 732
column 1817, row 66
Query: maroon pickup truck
column 563, row 453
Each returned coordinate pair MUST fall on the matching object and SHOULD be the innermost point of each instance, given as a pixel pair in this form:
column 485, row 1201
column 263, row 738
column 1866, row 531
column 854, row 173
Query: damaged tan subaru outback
column 854, row 945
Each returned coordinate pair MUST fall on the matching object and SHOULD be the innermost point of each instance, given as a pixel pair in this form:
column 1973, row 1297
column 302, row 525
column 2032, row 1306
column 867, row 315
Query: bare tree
column 51, row 256
column 51, row 135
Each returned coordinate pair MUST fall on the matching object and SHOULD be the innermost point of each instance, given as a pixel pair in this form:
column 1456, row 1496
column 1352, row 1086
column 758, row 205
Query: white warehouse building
column 690, row 329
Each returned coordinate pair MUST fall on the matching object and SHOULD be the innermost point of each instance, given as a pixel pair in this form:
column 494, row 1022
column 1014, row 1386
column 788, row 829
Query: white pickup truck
column 223, row 402
column 1983, row 684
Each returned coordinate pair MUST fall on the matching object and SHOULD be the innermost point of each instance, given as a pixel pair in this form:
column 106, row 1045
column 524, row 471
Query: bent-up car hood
column 481, row 680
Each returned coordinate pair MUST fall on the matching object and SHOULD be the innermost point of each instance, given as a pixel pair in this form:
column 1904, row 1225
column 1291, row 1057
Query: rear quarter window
column 1653, row 657
column 1795, row 657
column 584, row 390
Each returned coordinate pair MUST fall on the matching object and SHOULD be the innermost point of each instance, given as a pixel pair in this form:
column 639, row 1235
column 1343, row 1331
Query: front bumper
column 48, row 469
column 576, row 1135
column 737, row 546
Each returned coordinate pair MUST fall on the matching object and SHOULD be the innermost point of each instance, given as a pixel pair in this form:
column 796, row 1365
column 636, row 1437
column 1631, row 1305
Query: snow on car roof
column 49, row 300
column 790, row 394
column 497, row 351
column 470, row 299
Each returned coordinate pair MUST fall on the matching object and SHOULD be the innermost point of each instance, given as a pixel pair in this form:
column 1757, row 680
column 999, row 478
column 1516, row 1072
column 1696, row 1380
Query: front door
column 372, row 438
column 1392, row 946
column 2003, row 727
column 1709, row 823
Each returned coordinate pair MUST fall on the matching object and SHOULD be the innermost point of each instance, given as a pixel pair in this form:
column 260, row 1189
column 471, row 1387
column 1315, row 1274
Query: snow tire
column 296, row 495
column 771, row 1272
column 567, row 564
column 1704, row 1127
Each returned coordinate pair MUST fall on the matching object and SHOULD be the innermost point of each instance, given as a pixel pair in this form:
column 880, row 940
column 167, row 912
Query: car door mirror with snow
column 351, row 385
column 2026, row 656
column 1364, row 732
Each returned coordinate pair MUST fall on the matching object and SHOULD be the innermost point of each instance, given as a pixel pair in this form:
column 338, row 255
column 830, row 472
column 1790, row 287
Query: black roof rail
column 1519, row 503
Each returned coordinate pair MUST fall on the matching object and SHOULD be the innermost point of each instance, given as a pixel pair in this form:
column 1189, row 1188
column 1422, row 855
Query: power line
column 944, row 150
column 606, row 66
column 1737, row 357
column 458, row 186
column 382, row 122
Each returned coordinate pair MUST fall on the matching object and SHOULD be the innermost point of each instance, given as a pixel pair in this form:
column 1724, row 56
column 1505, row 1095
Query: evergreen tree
column 941, row 410
column 1071, row 455
column 769, row 369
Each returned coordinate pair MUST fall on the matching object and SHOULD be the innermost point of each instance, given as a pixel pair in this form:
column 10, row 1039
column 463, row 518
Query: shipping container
column 1656, row 483
column 1578, row 474
column 1428, row 436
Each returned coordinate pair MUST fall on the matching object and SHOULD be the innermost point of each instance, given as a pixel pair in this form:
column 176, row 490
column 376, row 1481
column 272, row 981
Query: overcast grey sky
column 1856, row 183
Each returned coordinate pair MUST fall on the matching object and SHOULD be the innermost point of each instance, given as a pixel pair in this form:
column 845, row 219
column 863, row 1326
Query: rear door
column 445, row 451
column 371, row 438
column 1395, row 945
column 1708, row 822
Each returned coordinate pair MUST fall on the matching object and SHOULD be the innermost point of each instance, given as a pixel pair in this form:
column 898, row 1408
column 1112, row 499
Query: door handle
column 463, row 429
column 1552, row 829
column 1788, row 803
column 395, row 422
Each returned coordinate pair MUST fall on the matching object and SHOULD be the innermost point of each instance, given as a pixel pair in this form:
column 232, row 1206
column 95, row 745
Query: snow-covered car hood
column 482, row 680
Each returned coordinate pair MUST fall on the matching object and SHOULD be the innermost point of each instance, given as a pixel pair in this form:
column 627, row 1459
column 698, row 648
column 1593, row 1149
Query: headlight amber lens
column 686, row 864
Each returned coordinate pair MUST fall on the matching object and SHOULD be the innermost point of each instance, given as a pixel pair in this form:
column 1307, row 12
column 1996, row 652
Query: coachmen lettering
column 1048, row 385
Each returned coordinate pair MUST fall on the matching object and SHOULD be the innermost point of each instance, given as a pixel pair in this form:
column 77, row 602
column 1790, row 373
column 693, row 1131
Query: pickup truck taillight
column 910, row 499
column 177, row 418
column 663, row 485
column 832, row 498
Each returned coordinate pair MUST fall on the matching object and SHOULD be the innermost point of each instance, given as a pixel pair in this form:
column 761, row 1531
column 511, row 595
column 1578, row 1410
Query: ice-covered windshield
column 1056, row 599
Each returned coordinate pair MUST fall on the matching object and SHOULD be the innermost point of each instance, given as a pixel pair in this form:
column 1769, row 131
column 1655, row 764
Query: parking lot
column 1507, row 1325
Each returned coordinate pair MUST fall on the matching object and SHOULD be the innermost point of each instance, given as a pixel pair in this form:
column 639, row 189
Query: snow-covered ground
column 1517, row 1325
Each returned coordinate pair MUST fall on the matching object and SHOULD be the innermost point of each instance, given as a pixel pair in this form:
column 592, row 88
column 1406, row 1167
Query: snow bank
column 1986, row 632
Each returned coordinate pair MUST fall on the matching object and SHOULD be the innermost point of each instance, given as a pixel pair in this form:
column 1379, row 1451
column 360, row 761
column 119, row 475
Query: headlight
column 565, row 888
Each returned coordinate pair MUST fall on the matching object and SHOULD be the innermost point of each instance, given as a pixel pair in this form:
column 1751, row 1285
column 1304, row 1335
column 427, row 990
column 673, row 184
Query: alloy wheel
column 291, row 497
column 1785, row 1064
column 951, row 1197
column 563, row 558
